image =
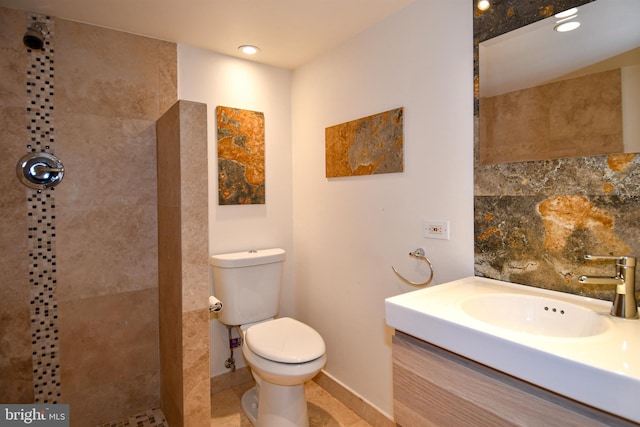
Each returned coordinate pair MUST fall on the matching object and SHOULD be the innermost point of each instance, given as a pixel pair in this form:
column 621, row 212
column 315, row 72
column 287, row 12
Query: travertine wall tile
column 134, row 394
column 183, row 264
column 13, row 137
column 105, row 250
column 110, row 161
column 120, row 74
column 196, row 379
column 110, row 87
column 121, row 324
column 109, row 359
column 170, row 265
column 167, row 66
column 13, row 66
column 16, row 367
column 576, row 117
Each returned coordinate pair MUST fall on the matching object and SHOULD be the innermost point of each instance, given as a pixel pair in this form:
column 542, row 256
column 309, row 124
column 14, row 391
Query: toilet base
column 250, row 404
column 276, row 406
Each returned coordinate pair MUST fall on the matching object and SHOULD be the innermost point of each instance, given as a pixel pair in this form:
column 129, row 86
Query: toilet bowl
column 282, row 354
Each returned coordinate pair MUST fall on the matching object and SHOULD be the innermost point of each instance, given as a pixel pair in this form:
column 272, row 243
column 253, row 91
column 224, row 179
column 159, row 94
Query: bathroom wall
column 218, row 80
column 182, row 265
column 535, row 221
column 98, row 296
column 348, row 232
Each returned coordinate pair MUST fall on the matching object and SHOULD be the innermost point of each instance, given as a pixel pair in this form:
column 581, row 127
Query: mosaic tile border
column 41, row 223
column 150, row 418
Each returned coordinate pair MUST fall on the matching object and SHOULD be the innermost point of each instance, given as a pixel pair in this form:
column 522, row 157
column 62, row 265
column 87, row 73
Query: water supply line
column 230, row 363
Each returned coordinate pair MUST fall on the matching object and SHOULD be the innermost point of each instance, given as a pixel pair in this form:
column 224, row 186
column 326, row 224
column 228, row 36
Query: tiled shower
column 79, row 295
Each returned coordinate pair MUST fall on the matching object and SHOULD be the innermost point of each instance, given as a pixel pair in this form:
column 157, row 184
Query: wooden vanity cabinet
column 435, row 387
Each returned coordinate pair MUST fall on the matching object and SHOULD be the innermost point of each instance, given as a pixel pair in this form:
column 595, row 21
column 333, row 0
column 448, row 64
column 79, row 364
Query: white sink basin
column 535, row 315
column 579, row 350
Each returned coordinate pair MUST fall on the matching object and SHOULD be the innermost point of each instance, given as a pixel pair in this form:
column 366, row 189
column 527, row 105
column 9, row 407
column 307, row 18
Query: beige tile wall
column 575, row 117
column 110, row 88
column 183, row 268
column 15, row 340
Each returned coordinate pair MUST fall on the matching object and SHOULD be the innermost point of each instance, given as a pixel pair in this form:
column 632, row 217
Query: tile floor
column 324, row 409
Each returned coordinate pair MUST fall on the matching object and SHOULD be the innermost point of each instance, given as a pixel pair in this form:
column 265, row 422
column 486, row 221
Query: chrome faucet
column 625, row 304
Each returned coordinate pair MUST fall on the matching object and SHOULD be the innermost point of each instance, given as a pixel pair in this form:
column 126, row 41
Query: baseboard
column 230, row 379
column 353, row 401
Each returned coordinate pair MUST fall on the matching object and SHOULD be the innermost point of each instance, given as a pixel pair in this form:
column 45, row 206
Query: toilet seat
column 285, row 340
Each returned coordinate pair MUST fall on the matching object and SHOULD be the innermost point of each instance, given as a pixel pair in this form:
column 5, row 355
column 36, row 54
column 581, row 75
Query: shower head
column 34, row 37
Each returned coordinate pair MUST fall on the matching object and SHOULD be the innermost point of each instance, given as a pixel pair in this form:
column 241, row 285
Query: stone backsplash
column 535, row 221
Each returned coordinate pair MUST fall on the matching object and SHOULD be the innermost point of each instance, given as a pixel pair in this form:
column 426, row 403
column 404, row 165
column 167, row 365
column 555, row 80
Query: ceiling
column 536, row 54
column 288, row 32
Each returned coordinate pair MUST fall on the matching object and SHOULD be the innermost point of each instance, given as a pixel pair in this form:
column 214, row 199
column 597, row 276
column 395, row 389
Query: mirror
column 546, row 94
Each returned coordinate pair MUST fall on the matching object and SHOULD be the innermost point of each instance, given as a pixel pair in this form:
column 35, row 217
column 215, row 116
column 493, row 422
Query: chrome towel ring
column 418, row 254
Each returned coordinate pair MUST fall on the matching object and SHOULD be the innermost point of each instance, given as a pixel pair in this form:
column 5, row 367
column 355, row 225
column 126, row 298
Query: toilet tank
column 248, row 284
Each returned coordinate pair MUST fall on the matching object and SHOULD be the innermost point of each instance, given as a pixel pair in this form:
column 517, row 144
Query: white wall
column 215, row 80
column 349, row 231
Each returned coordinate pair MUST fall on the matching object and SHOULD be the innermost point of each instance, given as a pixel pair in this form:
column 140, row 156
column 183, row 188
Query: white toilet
column 282, row 353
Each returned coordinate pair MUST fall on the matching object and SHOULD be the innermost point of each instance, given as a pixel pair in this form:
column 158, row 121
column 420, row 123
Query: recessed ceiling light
column 567, row 13
column 483, row 4
column 248, row 49
column 567, row 26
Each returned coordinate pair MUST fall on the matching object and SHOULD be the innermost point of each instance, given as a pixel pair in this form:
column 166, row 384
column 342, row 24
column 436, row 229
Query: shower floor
column 151, row 418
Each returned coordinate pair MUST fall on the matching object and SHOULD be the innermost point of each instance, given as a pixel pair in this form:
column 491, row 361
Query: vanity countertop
column 601, row 369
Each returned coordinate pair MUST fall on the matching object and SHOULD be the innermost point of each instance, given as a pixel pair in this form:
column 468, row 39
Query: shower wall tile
column 197, row 385
column 13, row 66
column 168, row 157
column 195, row 256
column 115, row 349
column 100, row 404
column 13, row 244
column 116, row 341
column 110, row 88
column 111, row 73
column 167, row 66
column 170, row 264
column 194, row 206
column 170, row 305
column 183, row 264
column 14, row 134
column 110, row 161
column 12, row 77
column 106, row 250
column 16, row 370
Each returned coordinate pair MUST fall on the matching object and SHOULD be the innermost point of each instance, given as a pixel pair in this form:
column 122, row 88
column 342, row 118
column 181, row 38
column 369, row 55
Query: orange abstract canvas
column 241, row 177
column 366, row 146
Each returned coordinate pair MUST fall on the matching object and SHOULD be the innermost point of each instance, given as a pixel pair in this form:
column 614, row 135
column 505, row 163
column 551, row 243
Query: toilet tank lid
column 247, row 258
